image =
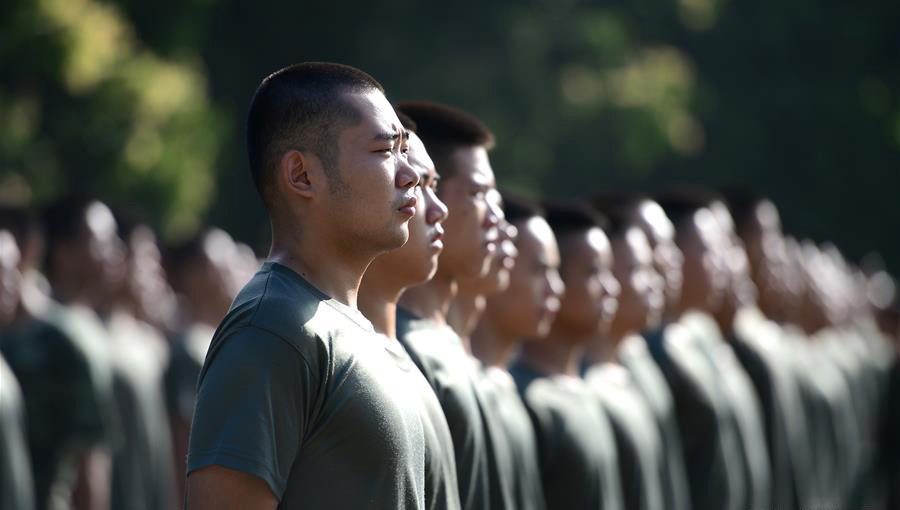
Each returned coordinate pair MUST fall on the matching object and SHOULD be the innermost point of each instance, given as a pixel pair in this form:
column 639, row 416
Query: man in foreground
column 298, row 396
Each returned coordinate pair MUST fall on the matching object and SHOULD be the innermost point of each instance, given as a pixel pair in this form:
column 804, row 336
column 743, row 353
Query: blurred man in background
column 626, row 210
column 494, row 349
column 200, row 273
column 711, row 451
column 16, row 482
column 576, row 448
column 756, row 342
column 137, row 315
column 72, row 433
column 629, row 262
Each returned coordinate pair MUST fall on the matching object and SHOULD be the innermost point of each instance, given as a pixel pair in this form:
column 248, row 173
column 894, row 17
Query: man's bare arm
column 219, row 488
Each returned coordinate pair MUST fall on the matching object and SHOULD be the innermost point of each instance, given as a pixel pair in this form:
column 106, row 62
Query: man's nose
column 437, row 210
column 494, row 213
column 555, row 284
column 406, row 177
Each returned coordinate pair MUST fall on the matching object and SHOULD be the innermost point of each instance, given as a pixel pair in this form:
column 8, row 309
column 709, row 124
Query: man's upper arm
column 219, row 488
column 252, row 409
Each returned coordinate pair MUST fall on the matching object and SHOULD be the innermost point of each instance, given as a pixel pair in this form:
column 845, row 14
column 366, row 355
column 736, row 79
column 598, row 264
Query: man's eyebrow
column 392, row 137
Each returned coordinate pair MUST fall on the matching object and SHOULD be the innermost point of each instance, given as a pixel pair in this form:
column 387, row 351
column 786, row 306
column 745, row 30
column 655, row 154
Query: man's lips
column 408, row 206
column 437, row 238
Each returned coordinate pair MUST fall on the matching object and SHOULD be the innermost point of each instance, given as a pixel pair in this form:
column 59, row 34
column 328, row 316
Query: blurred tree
column 85, row 107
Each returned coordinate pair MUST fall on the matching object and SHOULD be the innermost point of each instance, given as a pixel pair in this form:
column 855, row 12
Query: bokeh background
column 143, row 103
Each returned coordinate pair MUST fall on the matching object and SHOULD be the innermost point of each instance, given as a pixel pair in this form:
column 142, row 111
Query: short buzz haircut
column 571, row 216
column 742, row 204
column 517, row 208
column 681, row 204
column 618, row 210
column 407, row 123
column 443, row 129
column 302, row 107
column 624, row 201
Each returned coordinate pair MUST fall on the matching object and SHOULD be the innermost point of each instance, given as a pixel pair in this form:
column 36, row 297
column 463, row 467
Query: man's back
column 298, row 391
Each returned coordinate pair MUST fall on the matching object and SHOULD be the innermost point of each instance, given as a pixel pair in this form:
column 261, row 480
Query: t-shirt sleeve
column 253, row 405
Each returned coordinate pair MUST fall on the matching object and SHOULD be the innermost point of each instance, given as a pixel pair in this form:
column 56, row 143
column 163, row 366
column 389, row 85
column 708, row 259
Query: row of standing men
column 627, row 351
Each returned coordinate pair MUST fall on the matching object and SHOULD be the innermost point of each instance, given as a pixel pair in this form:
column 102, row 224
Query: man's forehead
column 473, row 164
column 418, row 155
column 598, row 241
column 635, row 242
column 377, row 114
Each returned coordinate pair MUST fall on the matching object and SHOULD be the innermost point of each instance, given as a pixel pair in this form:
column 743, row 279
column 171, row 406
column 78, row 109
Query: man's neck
column 604, row 347
column 322, row 264
column 558, row 354
column 70, row 293
column 465, row 311
column 431, row 300
column 491, row 346
column 378, row 302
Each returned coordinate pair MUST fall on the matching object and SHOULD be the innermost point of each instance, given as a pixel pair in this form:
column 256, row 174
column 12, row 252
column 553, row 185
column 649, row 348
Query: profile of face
column 417, row 260
column 592, row 291
column 98, row 251
column 527, row 307
column 10, row 278
column 147, row 279
column 471, row 227
column 740, row 290
column 501, row 261
column 641, row 299
column 667, row 257
column 369, row 197
column 705, row 275
column 769, row 260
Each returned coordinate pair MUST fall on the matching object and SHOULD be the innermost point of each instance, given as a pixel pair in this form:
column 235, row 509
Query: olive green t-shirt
column 298, row 390
column 143, row 469
column 441, row 488
column 576, row 447
column 439, row 354
column 514, row 442
column 634, row 354
column 637, row 436
column 16, row 484
column 64, row 369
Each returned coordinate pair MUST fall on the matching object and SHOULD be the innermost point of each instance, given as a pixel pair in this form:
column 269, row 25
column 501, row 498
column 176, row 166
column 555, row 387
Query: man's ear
column 300, row 173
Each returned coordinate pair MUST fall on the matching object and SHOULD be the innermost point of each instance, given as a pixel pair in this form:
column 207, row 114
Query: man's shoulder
column 283, row 305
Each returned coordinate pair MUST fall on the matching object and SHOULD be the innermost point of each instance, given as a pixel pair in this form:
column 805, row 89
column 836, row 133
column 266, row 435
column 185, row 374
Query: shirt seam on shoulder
column 345, row 314
column 260, row 299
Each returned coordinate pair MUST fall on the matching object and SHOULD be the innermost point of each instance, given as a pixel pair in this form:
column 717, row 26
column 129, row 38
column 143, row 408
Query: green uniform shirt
column 441, row 488
column 576, row 447
column 439, row 354
column 515, row 440
column 712, row 456
column 637, row 438
column 16, row 484
column 635, row 355
column 759, row 349
column 63, row 366
column 298, row 390
column 143, row 475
